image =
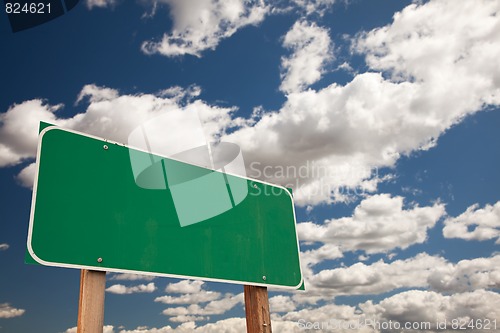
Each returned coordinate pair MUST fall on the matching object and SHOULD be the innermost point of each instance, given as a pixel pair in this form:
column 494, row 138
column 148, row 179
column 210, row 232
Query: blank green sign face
column 91, row 211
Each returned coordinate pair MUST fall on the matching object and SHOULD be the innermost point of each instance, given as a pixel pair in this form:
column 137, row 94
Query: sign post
column 257, row 310
column 91, row 303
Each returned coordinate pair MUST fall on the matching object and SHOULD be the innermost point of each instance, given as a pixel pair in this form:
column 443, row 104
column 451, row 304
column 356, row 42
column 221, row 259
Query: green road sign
column 101, row 205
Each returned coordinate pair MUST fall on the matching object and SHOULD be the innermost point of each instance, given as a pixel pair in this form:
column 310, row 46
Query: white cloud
column 121, row 289
column 7, row 311
column 26, row 176
column 216, row 307
column 413, row 306
column 377, row 278
column 466, row 275
column 300, row 320
column 281, row 303
column 185, row 287
column 100, row 3
column 229, row 325
column 180, row 93
column 442, row 57
column 309, row 258
column 379, row 224
column 19, row 129
column 131, row 277
column 312, row 50
column 165, row 329
column 421, row 271
column 4, row 247
column 458, row 39
column 199, row 25
column 106, row 329
column 7, row 156
column 475, row 224
column 338, row 135
column 325, row 252
column 317, row 7
column 192, row 298
column 185, row 319
column 192, row 293
column 417, row 306
column 98, row 94
column 104, row 117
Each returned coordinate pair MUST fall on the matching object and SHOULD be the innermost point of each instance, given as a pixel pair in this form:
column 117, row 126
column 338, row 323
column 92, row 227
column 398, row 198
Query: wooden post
column 91, row 305
column 257, row 309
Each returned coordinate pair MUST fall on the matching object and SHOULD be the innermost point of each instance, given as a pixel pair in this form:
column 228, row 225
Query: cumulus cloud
column 466, row 275
column 200, row 297
column 100, row 3
column 201, row 303
column 131, row 277
column 421, row 271
column 413, row 310
column 4, row 247
column 187, row 318
column 192, row 293
column 201, row 25
column 216, row 307
column 441, row 69
column 98, row 94
column 318, row 7
column 458, row 40
column 325, row 252
column 311, row 50
column 27, row 175
column 121, row 289
column 7, row 311
column 475, row 224
column 185, row 287
column 106, row 329
column 281, row 303
column 379, row 224
column 377, row 278
column 413, row 307
column 417, row 306
column 299, row 320
column 19, row 129
column 229, row 325
column 105, row 117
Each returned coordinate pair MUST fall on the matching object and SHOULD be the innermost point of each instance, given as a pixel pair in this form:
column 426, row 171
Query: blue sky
column 392, row 108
